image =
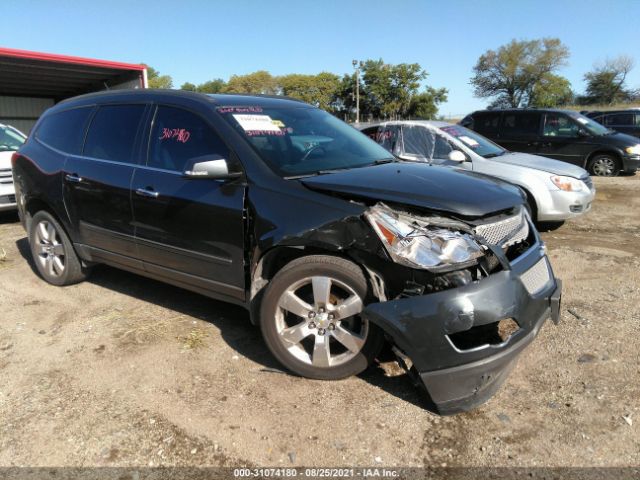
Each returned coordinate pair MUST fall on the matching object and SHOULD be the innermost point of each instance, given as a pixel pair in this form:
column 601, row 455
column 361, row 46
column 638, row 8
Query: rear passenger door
column 520, row 131
column 188, row 230
column 97, row 182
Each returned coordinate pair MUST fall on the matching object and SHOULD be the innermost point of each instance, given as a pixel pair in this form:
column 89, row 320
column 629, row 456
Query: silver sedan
column 555, row 190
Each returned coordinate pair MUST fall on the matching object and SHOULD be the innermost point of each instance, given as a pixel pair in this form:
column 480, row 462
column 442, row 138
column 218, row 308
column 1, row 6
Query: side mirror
column 457, row 156
column 209, row 166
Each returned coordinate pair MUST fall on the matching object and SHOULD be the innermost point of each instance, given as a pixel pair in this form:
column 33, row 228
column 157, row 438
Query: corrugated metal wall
column 22, row 112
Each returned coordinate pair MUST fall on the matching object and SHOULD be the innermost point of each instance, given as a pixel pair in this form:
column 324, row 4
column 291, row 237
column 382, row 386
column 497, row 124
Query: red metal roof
column 51, row 57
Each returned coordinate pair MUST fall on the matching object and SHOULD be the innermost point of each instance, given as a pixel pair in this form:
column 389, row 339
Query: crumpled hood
column 450, row 190
column 545, row 164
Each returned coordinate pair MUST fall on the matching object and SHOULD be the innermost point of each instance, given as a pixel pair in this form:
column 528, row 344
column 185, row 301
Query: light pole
column 356, row 64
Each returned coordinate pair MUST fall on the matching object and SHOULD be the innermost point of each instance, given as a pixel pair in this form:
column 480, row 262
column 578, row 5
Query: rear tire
column 52, row 251
column 310, row 318
column 604, row 165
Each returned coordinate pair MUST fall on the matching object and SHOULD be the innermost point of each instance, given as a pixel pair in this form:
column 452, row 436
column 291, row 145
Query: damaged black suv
column 332, row 245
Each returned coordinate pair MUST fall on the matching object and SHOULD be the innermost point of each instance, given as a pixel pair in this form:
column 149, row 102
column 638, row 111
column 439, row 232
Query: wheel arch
column 602, row 151
column 274, row 259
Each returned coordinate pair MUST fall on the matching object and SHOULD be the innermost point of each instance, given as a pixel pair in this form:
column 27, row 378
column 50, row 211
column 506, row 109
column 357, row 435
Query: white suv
column 11, row 140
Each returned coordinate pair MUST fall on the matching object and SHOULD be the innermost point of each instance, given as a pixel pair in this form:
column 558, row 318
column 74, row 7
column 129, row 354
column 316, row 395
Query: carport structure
column 31, row 82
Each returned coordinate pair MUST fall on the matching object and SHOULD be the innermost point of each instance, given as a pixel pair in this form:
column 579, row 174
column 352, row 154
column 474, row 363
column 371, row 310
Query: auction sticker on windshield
column 257, row 123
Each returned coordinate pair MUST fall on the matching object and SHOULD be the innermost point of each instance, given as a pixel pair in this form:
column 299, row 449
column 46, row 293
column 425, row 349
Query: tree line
column 386, row 91
column 525, row 74
column 521, row 73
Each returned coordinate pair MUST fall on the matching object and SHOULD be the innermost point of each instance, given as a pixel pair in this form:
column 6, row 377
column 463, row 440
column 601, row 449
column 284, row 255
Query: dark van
column 623, row 121
column 332, row 245
column 561, row 134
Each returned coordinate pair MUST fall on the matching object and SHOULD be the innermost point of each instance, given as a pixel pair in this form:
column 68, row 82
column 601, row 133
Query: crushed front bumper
column 460, row 378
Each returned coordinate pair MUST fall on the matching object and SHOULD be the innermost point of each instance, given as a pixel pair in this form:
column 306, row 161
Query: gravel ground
column 125, row 371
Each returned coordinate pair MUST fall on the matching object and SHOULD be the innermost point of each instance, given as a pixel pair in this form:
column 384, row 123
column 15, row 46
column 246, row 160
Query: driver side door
column 188, row 230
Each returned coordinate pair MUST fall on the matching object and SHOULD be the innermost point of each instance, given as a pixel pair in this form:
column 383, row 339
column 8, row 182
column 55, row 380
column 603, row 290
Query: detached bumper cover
column 460, row 379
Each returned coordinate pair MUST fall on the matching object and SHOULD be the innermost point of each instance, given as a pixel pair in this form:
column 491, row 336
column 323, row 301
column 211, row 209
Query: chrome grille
column 5, row 176
column 505, row 232
column 537, row 277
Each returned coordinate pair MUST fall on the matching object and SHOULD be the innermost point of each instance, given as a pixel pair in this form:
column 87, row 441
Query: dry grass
column 601, row 108
column 194, row 340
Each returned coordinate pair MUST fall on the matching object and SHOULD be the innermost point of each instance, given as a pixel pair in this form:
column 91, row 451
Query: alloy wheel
column 318, row 321
column 49, row 249
column 604, row 167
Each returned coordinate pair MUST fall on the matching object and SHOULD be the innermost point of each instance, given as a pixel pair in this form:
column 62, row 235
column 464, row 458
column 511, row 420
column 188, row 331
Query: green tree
column 190, row 87
column 260, row 82
column 155, row 80
column 511, row 73
column 551, row 91
column 606, row 83
column 389, row 88
column 319, row 90
column 424, row 105
column 216, row 85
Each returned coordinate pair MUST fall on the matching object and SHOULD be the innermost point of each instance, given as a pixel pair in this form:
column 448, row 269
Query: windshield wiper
column 493, row 155
column 382, row 161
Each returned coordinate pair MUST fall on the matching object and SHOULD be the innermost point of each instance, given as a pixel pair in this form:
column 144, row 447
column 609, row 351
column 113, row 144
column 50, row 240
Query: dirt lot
column 121, row 370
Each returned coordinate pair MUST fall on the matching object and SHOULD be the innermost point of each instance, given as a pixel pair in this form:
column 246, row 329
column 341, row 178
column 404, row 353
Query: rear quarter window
column 112, row 133
column 486, row 123
column 516, row 124
column 64, row 130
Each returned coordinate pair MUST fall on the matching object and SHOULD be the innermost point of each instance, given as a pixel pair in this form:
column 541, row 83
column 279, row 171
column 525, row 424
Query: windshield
column 10, row 139
column 482, row 146
column 303, row 141
column 593, row 127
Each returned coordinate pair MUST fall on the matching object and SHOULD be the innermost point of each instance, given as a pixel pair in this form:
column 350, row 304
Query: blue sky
column 196, row 40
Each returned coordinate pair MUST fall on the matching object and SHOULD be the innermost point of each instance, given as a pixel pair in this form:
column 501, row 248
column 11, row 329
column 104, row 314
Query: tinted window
column 620, row 119
column 113, row 131
column 486, row 122
column 521, row 123
column 179, row 135
column 64, row 130
column 558, row 125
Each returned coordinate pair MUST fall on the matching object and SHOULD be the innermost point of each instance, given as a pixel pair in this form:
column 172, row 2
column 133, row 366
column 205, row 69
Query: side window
column 442, row 148
column 387, row 137
column 371, row 132
column 559, row 125
column 521, row 123
column 620, row 120
column 65, row 130
column 486, row 122
column 112, row 133
column 418, row 141
column 179, row 135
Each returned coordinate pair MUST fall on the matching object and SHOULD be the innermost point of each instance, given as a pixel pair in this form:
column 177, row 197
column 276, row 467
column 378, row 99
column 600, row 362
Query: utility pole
column 356, row 64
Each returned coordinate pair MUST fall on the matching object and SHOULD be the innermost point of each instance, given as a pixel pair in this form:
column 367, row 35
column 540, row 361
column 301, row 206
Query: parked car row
column 555, row 190
column 563, row 135
column 332, row 243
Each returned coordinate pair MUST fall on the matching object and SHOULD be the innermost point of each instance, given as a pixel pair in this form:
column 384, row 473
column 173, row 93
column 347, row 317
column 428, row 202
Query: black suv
column 331, row 244
column 561, row 134
column 624, row 121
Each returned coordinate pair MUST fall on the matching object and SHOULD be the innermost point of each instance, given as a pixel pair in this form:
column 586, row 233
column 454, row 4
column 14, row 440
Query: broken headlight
column 412, row 242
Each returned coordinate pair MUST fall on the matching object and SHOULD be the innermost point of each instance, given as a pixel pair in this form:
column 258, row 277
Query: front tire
column 52, row 251
column 310, row 318
column 604, row 165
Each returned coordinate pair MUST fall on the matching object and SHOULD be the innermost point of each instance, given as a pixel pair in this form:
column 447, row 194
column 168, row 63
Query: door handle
column 533, row 144
column 73, row 177
column 146, row 192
